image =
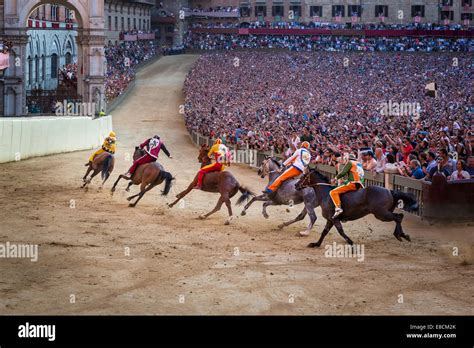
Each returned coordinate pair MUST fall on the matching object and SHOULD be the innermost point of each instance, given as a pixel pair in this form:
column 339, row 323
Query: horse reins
column 317, row 184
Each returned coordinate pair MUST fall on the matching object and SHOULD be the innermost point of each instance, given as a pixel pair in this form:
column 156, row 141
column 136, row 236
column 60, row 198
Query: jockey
column 152, row 147
column 220, row 154
column 109, row 145
column 355, row 180
column 299, row 160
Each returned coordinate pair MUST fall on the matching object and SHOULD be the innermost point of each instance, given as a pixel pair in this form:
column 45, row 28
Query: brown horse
column 222, row 182
column 103, row 163
column 147, row 175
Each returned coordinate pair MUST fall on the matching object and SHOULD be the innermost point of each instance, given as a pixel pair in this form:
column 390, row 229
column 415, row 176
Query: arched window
column 54, row 66
column 68, row 58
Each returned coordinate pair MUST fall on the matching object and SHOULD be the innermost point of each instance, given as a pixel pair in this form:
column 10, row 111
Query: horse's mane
column 320, row 175
column 276, row 162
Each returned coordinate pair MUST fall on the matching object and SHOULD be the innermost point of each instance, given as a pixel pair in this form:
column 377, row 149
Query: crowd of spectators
column 326, row 25
column 271, row 101
column 212, row 9
column 122, row 58
column 206, row 41
column 69, row 72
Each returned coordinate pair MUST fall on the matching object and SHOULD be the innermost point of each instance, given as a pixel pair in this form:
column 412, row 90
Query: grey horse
column 287, row 194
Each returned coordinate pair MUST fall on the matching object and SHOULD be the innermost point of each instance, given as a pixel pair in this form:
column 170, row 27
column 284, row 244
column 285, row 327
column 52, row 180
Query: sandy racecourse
column 175, row 258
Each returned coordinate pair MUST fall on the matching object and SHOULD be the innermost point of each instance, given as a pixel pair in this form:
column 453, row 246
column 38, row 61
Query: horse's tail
column 168, row 178
column 106, row 166
column 246, row 194
column 405, row 201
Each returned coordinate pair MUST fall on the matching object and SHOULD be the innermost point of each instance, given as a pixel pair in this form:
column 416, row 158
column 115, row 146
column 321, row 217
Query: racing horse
column 222, row 182
column 356, row 204
column 102, row 163
column 287, row 194
column 147, row 175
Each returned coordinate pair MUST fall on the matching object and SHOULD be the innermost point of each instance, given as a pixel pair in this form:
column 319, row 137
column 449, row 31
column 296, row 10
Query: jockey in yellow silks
column 109, row 145
column 355, row 180
column 299, row 160
column 220, row 154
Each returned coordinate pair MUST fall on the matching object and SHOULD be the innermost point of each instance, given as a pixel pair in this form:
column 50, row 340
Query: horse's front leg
column 264, row 208
column 87, row 173
column 326, row 230
column 216, row 208
column 88, row 181
column 128, row 186
column 180, row 195
column 229, row 209
column 121, row 176
column 296, row 219
column 309, row 208
column 254, row 199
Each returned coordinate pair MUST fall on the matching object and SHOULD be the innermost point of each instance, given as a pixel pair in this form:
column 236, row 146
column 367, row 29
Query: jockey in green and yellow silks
column 355, row 181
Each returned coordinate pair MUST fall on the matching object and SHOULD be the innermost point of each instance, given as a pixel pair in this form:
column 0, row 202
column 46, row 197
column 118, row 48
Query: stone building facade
column 366, row 11
column 52, row 32
column 127, row 16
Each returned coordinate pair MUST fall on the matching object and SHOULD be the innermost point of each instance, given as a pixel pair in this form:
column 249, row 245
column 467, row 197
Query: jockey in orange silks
column 220, row 154
column 299, row 160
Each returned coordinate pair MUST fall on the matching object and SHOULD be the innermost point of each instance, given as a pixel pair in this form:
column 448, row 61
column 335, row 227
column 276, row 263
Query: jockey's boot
column 338, row 212
column 269, row 193
column 88, row 164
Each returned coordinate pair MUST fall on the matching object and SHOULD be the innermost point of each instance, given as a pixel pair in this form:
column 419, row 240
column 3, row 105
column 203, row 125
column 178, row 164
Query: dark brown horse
column 222, row 182
column 103, row 163
column 357, row 204
column 147, row 175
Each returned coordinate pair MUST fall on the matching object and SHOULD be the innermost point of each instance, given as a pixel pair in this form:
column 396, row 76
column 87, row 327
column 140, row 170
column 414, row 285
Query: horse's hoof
column 228, row 221
column 129, row 198
column 131, row 205
column 243, row 213
column 407, row 237
column 202, row 217
column 280, row 227
column 266, row 216
column 398, row 237
column 313, row 245
column 288, row 210
column 303, row 234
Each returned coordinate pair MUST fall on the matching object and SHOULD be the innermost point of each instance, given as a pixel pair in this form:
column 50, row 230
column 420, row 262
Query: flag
column 431, row 90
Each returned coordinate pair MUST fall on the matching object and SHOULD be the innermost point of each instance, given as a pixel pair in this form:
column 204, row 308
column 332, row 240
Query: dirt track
column 174, row 256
